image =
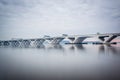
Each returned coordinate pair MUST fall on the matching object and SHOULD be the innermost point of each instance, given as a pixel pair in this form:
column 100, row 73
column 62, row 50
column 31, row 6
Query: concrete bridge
column 75, row 39
column 104, row 38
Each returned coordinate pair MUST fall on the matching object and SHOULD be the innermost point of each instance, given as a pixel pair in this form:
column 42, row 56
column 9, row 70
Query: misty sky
column 35, row 18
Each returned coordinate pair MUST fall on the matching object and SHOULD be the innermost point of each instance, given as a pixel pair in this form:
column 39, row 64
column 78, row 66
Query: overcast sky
column 35, row 18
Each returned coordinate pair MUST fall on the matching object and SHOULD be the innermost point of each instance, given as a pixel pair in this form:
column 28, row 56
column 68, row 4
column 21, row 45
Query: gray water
column 61, row 62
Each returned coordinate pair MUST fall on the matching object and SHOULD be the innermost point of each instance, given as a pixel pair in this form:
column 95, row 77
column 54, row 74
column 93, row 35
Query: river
column 61, row 62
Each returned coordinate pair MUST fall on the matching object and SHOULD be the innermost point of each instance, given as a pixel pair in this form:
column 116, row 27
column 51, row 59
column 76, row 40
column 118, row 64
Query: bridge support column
column 57, row 40
column 1, row 43
column 101, row 39
column 25, row 43
column 107, row 39
column 14, row 43
column 79, row 40
column 110, row 38
column 39, row 42
column 6, row 43
column 71, row 39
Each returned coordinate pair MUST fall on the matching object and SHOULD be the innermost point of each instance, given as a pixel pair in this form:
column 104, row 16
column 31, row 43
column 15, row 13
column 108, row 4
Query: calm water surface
column 56, row 62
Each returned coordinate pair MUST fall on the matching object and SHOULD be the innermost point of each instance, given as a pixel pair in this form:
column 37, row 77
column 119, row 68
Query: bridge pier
column 15, row 43
column 101, row 38
column 25, row 43
column 107, row 39
column 79, row 40
column 1, row 43
column 39, row 43
column 6, row 43
column 57, row 40
column 110, row 38
column 71, row 39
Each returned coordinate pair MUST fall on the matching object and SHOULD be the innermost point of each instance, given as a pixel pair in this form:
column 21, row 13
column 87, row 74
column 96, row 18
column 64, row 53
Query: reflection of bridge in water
column 75, row 39
column 79, row 48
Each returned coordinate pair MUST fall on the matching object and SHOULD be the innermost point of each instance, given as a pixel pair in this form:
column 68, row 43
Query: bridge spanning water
column 75, row 39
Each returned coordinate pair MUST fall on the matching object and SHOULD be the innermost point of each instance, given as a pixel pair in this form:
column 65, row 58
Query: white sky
column 36, row 18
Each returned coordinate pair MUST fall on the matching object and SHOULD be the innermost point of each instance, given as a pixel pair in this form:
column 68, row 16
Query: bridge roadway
column 75, row 39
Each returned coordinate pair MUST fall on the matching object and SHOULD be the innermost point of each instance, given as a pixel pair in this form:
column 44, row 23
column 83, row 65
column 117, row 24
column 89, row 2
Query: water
column 56, row 62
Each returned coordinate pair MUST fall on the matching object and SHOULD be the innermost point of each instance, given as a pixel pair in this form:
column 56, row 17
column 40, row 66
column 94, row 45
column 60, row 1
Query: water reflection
column 54, row 46
column 80, row 46
column 72, row 47
column 40, row 46
column 102, row 49
column 60, row 62
column 76, row 47
column 109, row 49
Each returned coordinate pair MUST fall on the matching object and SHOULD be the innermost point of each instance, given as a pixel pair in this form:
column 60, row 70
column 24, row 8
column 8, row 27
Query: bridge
column 75, row 39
